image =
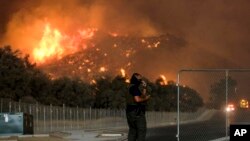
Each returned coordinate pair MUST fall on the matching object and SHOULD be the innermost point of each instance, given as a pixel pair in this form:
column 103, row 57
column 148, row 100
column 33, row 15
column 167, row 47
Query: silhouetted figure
column 135, row 109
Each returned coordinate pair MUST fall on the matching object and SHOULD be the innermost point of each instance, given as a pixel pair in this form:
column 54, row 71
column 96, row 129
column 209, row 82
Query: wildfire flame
column 113, row 34
column 164, row 80
column 55, row 44
column 103, row 69
column 123, row 72
column 49, row 45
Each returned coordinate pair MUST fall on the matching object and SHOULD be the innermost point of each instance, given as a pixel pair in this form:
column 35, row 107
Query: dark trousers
column 137, row 126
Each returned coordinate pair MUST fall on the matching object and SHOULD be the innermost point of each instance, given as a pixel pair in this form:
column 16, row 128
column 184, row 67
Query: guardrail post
column 227, row 117
column 10, row 106
column 19, row 106
column 178, row 107
column 1, row 105
column 44, row 119
column 90, row 114
column 51, row 117
column 37, row 127
column 63, row 117
column 77, row 120
column 70, row 115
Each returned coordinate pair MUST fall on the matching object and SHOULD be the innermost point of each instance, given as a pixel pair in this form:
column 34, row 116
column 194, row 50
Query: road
column 201, row 131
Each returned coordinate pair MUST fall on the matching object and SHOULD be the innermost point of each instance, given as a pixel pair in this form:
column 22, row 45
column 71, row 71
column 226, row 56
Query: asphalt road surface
column 201, row 131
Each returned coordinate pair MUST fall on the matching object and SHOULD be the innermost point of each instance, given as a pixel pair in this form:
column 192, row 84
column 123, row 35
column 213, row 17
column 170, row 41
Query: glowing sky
column 216, row 33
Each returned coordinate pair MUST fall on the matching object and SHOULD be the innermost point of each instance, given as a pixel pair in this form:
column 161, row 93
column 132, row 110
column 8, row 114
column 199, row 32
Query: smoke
column 215, row 33
column 24, row 25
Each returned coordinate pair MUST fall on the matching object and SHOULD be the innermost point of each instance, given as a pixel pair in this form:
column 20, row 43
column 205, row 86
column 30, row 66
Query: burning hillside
column 86, row 39
column 108, row 54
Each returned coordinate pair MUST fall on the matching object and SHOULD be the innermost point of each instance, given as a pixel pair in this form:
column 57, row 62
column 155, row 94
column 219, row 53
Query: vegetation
column 22, row 81
column 218, row 92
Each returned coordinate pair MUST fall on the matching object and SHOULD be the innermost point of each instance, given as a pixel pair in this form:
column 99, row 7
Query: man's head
column 136, row 79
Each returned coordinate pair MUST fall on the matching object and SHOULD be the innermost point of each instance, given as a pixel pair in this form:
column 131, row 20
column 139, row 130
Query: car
column 230, row 107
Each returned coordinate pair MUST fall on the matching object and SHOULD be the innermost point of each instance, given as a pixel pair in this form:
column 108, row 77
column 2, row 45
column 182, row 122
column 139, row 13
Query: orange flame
column 164, row 80
column 49, row 45
column 123, row 72
column 113, row 34
column 102, row 69
column 54, row 44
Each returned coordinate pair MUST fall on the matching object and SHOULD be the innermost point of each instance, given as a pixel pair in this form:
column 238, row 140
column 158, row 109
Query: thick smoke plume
column 211, row 34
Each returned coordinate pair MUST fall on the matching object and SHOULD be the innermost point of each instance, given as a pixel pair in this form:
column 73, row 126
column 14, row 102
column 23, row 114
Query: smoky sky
column 216, row 32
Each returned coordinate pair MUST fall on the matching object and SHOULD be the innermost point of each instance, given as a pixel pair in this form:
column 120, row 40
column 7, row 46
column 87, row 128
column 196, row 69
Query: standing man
column 135, row 109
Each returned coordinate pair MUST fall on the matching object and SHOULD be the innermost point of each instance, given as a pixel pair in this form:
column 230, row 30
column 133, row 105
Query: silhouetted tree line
column 22, row 81
column 217, row 97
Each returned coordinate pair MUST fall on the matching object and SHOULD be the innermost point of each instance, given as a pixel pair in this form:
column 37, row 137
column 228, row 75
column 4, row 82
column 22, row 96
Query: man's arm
column 140, row 99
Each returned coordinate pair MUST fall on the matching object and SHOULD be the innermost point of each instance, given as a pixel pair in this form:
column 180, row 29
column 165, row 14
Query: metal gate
column 223, row 92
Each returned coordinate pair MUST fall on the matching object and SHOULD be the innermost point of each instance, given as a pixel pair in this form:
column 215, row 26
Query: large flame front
column 49, row 46
column 55, row 44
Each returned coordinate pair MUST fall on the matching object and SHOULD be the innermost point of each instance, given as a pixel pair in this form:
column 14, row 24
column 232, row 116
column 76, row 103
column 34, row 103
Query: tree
column 39, row 85
column 190, row 99
column 20, row 79
column 102, row 91
column 218, row 92
column 71, row 92
column 15, row 74
column 166, row 97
